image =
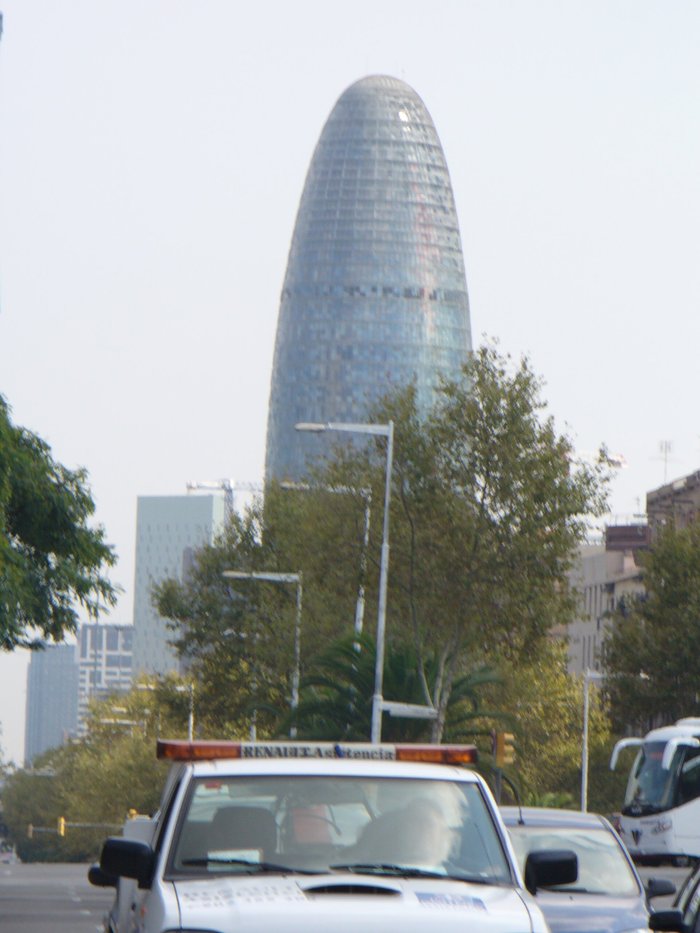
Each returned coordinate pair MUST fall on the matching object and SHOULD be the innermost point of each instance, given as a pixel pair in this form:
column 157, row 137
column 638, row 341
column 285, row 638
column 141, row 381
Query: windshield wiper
column 403, row 871
column 249, row 864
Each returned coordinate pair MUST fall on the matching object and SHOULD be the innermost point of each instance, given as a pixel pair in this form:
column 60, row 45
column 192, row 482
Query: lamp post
column 179, row 688
column 272, row 577
column 387, row 431
column 588, row 676
column 367, row 497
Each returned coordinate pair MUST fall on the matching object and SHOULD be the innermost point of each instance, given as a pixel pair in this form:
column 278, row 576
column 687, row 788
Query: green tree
column 93, row 782
column 546, row 704
column 488, row 505
column 336, row 695
column 51, row 560
column 651, row 637
column 232, row 635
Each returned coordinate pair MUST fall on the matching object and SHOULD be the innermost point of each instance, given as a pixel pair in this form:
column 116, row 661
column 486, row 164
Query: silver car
column 608, row 895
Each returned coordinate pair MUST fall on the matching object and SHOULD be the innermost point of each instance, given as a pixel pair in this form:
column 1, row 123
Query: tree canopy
column 488, row 505
column 336, row 695
column 51, row 560
column 93, row 782
column 646, row 651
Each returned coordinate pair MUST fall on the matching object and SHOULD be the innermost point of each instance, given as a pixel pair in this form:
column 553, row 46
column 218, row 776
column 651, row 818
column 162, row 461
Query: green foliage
column 50, row 559
column 488, row 506
column 560, row 800
column 236, row 636
column 517, row 512
column 546, row 704
column 336, row 696
column 95, row 780
column 646, row 652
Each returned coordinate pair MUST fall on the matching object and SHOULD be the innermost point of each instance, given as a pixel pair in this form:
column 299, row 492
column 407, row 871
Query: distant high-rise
column 375, row 293
column 168, row 530
column 105, row 662
column 52, row 699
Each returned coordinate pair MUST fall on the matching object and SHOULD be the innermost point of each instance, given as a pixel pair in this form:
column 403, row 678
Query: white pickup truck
column 301, row 836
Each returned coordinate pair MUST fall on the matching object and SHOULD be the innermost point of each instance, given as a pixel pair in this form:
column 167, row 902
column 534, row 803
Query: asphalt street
column 40, row 898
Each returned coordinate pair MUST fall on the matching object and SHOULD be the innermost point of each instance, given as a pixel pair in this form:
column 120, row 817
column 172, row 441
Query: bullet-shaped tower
column 375, row 294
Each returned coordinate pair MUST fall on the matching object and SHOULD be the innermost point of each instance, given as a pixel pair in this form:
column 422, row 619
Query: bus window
column 650, row 788
column 689, row 777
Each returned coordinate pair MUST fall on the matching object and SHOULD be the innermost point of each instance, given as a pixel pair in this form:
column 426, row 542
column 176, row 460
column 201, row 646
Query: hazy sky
column 153, row 155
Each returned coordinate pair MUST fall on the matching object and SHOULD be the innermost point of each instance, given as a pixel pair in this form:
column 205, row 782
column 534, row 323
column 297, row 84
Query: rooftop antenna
column 665, row 448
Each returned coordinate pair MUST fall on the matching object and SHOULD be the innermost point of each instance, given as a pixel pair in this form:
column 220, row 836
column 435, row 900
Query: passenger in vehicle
column 416, row 834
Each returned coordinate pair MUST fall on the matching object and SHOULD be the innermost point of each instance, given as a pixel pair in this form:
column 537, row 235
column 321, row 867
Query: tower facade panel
column 168, row 530
column 375, row 292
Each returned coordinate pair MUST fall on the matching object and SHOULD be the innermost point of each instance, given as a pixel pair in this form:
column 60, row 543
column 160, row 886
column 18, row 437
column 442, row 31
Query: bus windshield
column 653, row 789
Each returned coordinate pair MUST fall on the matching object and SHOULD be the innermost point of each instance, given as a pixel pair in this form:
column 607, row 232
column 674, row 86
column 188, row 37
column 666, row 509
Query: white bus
column 660, row 818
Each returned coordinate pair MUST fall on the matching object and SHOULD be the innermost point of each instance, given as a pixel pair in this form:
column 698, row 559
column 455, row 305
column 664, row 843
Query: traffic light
column 61, row 826
column 505, row 751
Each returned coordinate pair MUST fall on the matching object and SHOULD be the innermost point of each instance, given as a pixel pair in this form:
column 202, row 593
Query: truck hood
column 345, row 902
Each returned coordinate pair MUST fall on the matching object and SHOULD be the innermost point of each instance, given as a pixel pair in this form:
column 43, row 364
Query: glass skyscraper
column 375, row 294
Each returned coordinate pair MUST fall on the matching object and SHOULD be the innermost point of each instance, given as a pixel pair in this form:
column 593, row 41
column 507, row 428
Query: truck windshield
column 330, row 824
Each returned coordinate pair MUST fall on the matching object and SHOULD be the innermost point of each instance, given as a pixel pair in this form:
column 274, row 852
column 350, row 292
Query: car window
column 602, row 865
column 325, row 823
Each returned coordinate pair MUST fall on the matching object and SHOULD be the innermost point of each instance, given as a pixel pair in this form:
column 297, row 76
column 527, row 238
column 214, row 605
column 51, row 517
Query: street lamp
column 272, row 577
column 367, row 496
column 588, row 676
column 179, row 688
column 387, row 431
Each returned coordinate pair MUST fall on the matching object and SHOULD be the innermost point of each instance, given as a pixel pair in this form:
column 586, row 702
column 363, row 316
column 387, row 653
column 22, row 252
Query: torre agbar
column 375, row 295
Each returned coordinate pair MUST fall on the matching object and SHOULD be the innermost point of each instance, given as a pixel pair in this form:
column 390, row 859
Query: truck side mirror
column 100, row 878
column 128, row 858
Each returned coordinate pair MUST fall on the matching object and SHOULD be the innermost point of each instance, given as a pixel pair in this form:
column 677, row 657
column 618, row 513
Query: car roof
column 551, row 816
column 335, row 767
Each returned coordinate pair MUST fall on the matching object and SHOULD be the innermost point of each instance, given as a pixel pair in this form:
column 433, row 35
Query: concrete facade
column 676, row 503
column 604, row 575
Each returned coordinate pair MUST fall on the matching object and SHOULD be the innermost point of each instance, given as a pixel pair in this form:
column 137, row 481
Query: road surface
column 41, row 898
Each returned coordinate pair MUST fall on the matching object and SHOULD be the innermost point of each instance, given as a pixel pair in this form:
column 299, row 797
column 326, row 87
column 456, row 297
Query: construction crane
column 228, row 486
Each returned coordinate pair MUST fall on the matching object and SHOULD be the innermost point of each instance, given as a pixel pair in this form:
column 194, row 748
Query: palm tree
column 336, row 696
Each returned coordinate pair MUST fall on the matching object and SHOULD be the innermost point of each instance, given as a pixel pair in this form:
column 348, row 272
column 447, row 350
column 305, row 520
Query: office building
column 168, row 530
column 676, row 503
column 52, row 700
column 604, row 575
column 105, row 664
column 375, row 293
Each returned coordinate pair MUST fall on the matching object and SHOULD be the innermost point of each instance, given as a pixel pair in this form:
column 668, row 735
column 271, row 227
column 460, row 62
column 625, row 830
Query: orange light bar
column 439, row 754
column 181, row 750
column 174, row 750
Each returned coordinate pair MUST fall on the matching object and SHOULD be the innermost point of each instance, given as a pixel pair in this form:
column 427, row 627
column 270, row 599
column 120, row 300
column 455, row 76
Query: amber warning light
column 179, row 750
